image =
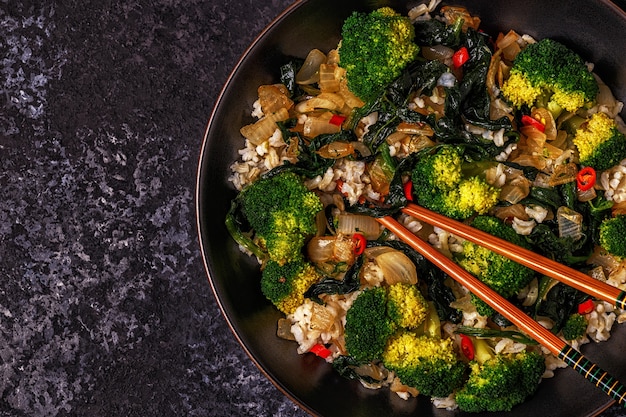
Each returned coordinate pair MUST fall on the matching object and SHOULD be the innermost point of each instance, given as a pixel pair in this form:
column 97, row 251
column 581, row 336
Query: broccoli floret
column 375, row 48
column 600, row 144
column 613, row 235
column 285, row 285
column 406, row 306
column 548, row 71
column 498, row 382
column 282, row 212
column 575, row 327
column 380, row 311
column 499, row 272
column 439, row 185
column 429, row 364
column 367, row 325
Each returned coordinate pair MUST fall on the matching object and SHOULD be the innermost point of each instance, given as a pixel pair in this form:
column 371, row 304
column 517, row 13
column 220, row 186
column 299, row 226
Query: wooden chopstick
column 553, row 343
column 541, row 264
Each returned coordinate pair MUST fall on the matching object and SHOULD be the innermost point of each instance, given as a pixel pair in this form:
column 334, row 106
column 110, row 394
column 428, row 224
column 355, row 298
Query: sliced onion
column 528, row 160
column 261, row 130
column 309, row 72
column 397, row 267
column 516, row 190
column 336, row 150
column 532, row 294
column 535, row 139
column 321, row 318
column 602, row 258
column 319, row 125
column 327, row 101
column 586, row 195
column 349, row 224
column 321, row 248
column 284, row 329
column 509, row 212
column 547, row 119
column 570, row 223
column 343, row 250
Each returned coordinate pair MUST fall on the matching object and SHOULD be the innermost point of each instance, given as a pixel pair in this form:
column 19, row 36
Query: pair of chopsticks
column 569, row 276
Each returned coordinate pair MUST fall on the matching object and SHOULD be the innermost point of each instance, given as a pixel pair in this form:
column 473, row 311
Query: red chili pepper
column 586, row 307
column 460, row 57
column 339, row 186
column 321, row 351
column 467, row 346
column 586, row 178
column 359, row 243
column 531, row 121
column 337, row 120
column 408, row 190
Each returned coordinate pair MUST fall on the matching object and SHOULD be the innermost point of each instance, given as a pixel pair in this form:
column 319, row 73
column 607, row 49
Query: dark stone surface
column 104, row 305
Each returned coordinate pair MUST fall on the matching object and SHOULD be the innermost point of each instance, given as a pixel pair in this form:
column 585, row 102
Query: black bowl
column 595, row 29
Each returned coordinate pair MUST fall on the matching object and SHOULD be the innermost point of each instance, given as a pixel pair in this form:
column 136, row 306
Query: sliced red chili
column 321, row 351
column 337, row 120
column 586, row 307
column 531, row 121
column 467, row 346
column 408, row 190
column 460, row 57
column 339, row 186
column 359, row 243
column 586, row 178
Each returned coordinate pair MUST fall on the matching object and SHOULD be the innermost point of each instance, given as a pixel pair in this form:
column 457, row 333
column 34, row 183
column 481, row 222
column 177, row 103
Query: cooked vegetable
column 586, row 178
column 375, row 47
column 498, row 382
column 427, row 363
column 281, row 211
column 575, row 327
column 498, row 272
column 368, row 326
column 613, row 235
column 549, row 72
column 285, row 285
column 600, row 144
column 439, row 184
column 406, row 305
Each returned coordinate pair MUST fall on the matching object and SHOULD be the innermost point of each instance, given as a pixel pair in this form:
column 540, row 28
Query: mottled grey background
column 104, row 305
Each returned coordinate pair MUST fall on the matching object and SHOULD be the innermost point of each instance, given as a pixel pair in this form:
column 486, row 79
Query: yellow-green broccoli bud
column 285, row 285
column 429, row 364
column 548, row 70
column 600, row 144
column 406, row 305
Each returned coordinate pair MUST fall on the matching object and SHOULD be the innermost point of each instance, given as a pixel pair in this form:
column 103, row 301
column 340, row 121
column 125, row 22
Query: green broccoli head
column 429, row 364
column 600, row 144
column 612, row 235
column 375, row 48
column 575, row 327
column 282, row 212
column 406, row 306
column 549, row 71
column 284, row 285
column 501, row 382
column 500, row 273
column 367, row 325
column 439, row 185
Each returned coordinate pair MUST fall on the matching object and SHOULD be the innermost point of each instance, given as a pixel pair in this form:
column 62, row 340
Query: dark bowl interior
column 593, row 28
